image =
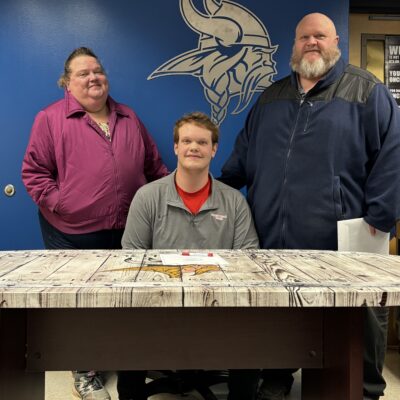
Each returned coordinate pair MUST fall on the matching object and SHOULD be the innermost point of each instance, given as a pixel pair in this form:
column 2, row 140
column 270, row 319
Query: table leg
column 15, row 382
column 342, row 374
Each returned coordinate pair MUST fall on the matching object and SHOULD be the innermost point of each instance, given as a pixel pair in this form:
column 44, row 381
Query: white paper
column 354, row 235
column 192, row 258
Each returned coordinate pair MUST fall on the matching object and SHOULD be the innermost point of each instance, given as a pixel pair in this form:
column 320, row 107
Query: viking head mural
column 233, row 57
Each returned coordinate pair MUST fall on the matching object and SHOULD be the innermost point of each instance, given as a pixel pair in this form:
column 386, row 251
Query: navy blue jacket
column 309, row 162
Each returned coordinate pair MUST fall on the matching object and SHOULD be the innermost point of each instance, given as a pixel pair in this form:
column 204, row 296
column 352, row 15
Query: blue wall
column 132, row 38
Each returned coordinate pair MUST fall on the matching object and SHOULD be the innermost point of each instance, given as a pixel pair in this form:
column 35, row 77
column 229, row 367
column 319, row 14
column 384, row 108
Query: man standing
column 190, row 210
column 319, row 146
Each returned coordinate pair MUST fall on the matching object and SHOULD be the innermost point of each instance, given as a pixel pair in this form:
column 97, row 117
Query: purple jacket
column 81, row 181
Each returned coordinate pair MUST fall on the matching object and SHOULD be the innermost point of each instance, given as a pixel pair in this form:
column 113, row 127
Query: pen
column 188, row 253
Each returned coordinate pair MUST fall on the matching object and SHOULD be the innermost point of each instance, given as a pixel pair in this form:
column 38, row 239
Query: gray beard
column 317, row 68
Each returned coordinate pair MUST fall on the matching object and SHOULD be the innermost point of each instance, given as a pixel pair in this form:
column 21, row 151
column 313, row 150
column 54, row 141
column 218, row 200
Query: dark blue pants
column 375, row 339
column 55, row 239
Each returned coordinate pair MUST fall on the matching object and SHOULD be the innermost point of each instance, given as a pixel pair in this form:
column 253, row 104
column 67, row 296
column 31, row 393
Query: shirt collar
column 173, row 197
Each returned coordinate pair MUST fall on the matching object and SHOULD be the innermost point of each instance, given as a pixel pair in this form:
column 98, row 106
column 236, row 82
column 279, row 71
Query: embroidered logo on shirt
column 219, row 217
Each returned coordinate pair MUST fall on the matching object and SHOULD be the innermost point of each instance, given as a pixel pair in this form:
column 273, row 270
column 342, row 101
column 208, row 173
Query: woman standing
column 86, row 158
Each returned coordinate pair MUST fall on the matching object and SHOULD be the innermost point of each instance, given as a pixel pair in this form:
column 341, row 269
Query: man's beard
column 317, row 68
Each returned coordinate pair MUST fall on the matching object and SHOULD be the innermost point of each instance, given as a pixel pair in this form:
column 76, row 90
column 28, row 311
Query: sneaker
column 89, row 386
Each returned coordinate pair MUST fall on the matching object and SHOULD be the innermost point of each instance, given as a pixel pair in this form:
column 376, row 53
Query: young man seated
column 189, row 209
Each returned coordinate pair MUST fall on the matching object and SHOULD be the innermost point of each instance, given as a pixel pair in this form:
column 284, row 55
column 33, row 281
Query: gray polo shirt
column 158, row 219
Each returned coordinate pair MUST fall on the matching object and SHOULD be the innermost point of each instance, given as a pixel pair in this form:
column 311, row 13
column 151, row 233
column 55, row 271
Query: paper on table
column 354, row 235
column 194, row 258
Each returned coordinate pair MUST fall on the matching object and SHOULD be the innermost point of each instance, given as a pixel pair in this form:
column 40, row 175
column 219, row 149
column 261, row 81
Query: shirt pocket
column 338, row 199
column 75, row 206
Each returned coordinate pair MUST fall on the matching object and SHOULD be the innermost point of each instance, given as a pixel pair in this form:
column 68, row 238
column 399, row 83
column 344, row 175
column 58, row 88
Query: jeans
column 55, row 239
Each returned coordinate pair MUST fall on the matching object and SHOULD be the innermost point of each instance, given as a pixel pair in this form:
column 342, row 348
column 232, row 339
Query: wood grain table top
column 251, row 278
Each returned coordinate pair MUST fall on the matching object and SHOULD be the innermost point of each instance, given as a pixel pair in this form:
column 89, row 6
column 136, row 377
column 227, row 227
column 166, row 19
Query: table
column 110, row 310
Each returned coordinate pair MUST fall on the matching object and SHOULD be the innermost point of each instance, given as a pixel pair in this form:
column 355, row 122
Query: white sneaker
column 89, row 386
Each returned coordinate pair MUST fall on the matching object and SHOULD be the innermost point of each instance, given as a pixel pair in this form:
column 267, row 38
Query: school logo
column 233, row 57
column 173, row 271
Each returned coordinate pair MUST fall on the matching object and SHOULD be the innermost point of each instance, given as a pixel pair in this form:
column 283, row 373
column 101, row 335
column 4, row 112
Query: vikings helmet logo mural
column 233, row 57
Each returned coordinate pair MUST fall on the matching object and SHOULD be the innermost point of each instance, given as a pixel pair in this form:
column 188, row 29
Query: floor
column 58, row 384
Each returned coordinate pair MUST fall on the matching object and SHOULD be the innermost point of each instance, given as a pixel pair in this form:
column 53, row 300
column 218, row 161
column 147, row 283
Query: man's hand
column 372, row 230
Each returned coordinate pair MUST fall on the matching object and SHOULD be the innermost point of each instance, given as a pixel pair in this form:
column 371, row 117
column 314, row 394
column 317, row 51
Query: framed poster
column 392, row 65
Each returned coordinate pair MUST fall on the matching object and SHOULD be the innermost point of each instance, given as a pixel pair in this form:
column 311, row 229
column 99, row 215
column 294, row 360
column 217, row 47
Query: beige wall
column 358, row 24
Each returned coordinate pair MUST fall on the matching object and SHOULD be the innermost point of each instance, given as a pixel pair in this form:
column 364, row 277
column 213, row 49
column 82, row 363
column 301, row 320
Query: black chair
column 184, row 381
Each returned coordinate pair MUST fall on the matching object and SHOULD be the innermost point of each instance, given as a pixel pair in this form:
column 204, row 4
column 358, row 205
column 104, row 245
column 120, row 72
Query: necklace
column 105, row 128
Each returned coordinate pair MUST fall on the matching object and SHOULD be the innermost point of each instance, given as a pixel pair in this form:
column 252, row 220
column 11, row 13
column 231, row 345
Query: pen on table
column 188, row 253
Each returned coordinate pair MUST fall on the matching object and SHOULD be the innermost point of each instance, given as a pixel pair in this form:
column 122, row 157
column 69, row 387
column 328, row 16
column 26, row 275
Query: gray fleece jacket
column 158, row 219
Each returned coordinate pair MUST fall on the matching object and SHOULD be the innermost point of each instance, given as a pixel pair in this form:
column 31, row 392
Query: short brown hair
column 200, row 119
column 80, row 51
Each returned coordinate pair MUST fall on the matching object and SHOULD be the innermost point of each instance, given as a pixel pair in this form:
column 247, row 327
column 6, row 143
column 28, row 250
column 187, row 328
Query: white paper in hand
column 354, row 235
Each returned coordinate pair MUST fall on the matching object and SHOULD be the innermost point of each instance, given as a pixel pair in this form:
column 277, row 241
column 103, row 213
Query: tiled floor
column 58, row 384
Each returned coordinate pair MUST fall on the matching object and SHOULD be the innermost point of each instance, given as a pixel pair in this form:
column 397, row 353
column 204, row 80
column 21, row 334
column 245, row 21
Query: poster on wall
column 392, row 65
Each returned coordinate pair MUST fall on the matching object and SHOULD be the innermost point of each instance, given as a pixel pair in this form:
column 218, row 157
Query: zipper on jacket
column 116, row 185
column 310, row 105
column 283, row 207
